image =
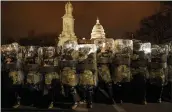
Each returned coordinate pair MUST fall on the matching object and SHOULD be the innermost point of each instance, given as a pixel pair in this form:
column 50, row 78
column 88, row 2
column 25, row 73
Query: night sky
column 17, row 18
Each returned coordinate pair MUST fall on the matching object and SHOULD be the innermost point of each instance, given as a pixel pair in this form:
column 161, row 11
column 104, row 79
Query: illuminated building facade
column 97, row 31
column 68, row 26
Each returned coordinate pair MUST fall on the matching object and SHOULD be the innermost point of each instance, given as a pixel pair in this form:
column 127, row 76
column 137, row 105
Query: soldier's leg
column 51, row 91
column 144, row 94
column 90, row 96
column 74, row 96
column 140, row 86
column 66, row 90
column 160, row 90
column 84, row 94
column 120, row 92
column 110, row 92
column 33, row 95
column 17, row 96
column 170, row 90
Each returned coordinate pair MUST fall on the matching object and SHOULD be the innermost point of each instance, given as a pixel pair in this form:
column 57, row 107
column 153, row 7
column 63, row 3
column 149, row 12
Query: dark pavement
column 126, row 107
column 150, row 107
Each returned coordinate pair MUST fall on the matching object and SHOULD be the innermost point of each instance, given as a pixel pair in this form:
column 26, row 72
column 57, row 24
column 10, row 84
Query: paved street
column 126, row 107
column 150, row 107
column 129, row 107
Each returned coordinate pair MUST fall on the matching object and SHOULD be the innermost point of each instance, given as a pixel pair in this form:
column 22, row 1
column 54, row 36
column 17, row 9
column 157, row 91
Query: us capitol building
column 68, row 28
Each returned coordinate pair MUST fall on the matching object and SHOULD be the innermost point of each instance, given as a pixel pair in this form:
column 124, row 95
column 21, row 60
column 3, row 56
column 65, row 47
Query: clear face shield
column 159, row 55
column 123, row 46
column 3, row 50
column 86, row 49
column 69, row 45
column 170, row 49
column 49, row 55
column 68, row 63
column 10, row 52
column 159, row 49
column 146, row 47
column 33, row 54
column 104, row 45
column 88, row 66
column 69, row 50
column 49, row 52
column 31, row 51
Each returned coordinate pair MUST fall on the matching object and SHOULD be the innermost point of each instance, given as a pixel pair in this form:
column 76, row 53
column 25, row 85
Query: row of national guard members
column 111, row 62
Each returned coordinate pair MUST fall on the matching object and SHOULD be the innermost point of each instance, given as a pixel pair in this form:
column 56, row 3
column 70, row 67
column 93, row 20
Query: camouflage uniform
column 50, row 70
column 68, row 74
column 34, row 78
column 14, row 66
column 104, row 61
column 140, row 72
column 87, row 68
column 121, row 65
column 158, row 70
column 170, row 74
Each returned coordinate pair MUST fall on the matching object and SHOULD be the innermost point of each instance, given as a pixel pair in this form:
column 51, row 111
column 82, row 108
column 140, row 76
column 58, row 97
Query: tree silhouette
column 153, row 28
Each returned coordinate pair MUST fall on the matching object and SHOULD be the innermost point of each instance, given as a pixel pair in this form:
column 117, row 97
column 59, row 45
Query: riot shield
column 33, row 55
column 10, row 52
column 87, row 69
column 170, row 65
column 69, row 51
column 170, row 73
column 140, row 59
column 50, row 68
column 121, row 62
column 123, row 46
column 158, row 70
column 139, row 69
column 104, row 50
column 158, row 64
column 33, row 60
column 68, row 64
column 68, row 75
column 104, row 58
column 87, row 65
column 13, row 57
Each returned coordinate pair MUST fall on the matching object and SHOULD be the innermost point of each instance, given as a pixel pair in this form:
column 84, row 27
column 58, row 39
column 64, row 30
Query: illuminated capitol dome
column 97, row 31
